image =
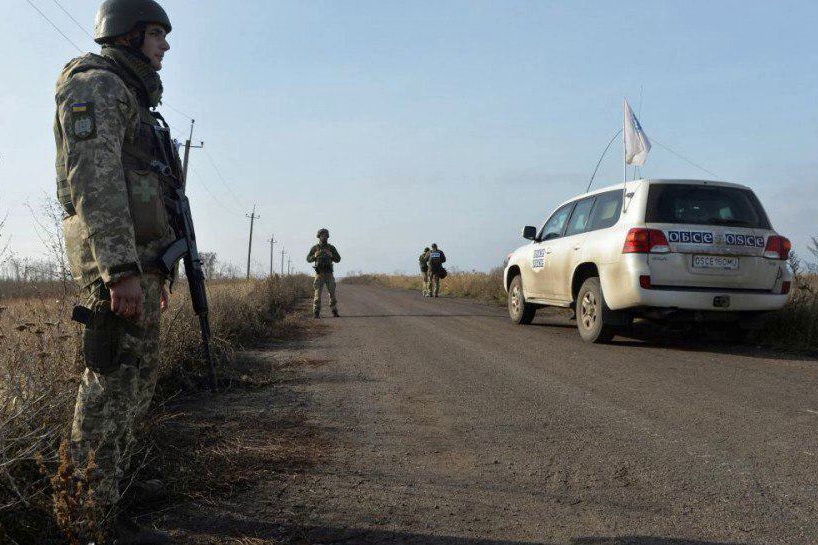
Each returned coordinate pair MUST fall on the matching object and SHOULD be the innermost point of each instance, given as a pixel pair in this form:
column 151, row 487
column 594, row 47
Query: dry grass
column 40, row 366
column 476, row 285
column 795, row 327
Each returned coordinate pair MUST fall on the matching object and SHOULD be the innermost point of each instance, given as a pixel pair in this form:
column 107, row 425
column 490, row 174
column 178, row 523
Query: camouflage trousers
column 433, row 284
column 425, row 276
column 110, row 405
column 321, row 280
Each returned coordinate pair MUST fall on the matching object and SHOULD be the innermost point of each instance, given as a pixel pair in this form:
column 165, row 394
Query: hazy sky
column 398, row 124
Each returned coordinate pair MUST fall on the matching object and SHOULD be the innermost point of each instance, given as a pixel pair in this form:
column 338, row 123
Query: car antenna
column 602, row 157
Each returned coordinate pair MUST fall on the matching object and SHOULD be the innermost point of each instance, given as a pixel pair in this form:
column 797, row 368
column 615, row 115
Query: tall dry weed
column 40, row 366
column 77, row 513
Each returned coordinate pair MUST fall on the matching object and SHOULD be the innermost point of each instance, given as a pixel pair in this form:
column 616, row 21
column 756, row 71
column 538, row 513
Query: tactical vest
column 323, row 263
column 142, row 156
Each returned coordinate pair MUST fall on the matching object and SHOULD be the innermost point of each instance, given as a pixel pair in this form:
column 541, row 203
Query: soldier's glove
column 104, row 343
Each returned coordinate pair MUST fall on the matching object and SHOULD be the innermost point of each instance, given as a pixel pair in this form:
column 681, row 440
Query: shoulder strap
column 90, row 61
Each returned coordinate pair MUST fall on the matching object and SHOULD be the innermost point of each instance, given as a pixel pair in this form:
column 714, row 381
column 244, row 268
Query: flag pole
column 624, row 145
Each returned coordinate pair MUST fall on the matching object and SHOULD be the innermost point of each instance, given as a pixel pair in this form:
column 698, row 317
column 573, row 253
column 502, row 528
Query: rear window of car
column 704, row 205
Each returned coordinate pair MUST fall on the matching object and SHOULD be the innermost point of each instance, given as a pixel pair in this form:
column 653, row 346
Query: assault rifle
column 185, row 246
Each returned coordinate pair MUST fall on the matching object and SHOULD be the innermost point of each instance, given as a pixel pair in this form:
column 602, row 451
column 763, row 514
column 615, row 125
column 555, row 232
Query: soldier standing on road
column 436, row 260
column 110, row 185
column 324, row 255
column 424, row 269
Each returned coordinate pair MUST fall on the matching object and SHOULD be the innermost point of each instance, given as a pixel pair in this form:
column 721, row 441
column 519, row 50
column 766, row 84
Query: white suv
column 666, row 250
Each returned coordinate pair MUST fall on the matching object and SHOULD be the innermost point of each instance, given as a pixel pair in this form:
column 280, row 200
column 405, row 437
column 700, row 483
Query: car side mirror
column 529, row 232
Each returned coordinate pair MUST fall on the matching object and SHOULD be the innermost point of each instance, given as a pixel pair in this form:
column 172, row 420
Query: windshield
column 705, row 205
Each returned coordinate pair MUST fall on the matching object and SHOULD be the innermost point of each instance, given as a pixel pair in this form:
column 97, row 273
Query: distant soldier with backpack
column 324, row 255
column 436, row 271
column 424, row 269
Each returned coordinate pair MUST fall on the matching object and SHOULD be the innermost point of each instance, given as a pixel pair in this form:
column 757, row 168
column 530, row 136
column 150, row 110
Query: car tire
column 520, row 312
column 592, row 312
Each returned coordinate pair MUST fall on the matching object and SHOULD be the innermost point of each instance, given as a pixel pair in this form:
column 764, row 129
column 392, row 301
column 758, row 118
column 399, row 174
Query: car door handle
column 548, row 250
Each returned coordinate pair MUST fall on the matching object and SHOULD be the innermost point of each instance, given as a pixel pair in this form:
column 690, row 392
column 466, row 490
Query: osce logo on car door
column 538, row 261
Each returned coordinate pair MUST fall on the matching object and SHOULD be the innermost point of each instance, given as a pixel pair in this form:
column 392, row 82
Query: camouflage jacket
column 323, row 255
column 423, row 261
column 115, row 223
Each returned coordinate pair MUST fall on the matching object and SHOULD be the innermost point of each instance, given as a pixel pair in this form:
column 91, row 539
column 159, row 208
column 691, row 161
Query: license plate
column 715, row 262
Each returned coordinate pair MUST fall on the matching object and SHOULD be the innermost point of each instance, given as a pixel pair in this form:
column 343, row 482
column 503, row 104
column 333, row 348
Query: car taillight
column 785, row 287
column 644, row 281
column 644, row 241
column 777, row 247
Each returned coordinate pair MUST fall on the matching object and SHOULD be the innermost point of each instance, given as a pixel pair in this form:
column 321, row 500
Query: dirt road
column 438, row 421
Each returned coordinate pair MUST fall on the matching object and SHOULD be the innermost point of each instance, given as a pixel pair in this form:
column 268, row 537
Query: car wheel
column 591, row 313
column 519, row 311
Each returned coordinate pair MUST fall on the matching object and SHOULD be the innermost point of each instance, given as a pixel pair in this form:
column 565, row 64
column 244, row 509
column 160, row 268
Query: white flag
column 637, row 144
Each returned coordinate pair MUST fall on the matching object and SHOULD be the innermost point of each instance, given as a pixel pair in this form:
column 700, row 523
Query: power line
column 44, row 16
column 183, row 114
column 82, row 28
column 212, row 196
column 683, row 158
column 218, row 172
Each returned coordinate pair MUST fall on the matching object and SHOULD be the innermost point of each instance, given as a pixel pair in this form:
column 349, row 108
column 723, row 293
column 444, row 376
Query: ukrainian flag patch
column 83, row 122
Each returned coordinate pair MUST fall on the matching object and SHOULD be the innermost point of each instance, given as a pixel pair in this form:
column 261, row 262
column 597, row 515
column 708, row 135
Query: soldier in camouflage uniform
column 111, row 180
column 424, row 269
column 436, row 260
column 323, row 255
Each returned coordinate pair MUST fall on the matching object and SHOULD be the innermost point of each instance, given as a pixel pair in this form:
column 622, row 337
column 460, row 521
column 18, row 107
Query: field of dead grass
column 476, row 285
column 40, row 366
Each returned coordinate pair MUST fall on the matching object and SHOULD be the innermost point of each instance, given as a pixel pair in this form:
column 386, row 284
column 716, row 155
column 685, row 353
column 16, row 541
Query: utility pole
column 289, row 268
column 272, row 242
column 187, row 149
column 253, row 217
column 282, row 262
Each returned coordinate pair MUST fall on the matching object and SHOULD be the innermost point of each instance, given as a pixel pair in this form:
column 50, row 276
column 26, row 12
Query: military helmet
column 119, row 17
column 322, row 231
column 426, row 249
